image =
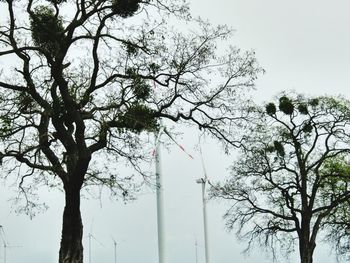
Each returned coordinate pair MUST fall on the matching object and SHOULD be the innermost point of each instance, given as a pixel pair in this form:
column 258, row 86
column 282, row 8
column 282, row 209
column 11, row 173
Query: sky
column 302, row 45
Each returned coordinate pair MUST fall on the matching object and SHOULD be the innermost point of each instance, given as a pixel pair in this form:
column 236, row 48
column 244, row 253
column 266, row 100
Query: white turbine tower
column 160, row 192
column 203, row 181
column 115, row 249
column 160, row 200
column 2, row 236
column 196, row 248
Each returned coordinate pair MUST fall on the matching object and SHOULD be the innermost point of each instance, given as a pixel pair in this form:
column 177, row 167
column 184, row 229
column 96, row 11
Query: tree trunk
column 306, row 251
column 71, row 250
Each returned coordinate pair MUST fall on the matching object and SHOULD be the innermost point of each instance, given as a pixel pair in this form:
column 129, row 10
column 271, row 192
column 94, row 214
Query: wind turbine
column 203, row 182
column 90, row 236
column 160, row 191
column 2, row 236
column 115, row 243
column 115, row 250
column 160, row 198
column 196, row 247
column 5, row 244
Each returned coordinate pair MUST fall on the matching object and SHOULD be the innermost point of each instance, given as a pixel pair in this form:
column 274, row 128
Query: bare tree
column 292, row 174
column 83, row 83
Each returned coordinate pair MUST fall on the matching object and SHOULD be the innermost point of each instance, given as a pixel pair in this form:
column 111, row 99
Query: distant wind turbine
column 4, row 242
column 91, row 236
column 2, row 236
column 196, row 247
column 115, row 250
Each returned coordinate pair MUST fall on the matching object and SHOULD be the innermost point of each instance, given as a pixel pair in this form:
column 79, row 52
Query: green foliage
column 314, row 102
column 154, row 68
column 279, row 148
column 286, row 105
column 138, row 118
column 285, row 133
column 336, row 167
column 270, row 149
column 270, row 109
column 302, row 108
column 307, row 128
column 126, row 8
column 5, row 125
column 47, row 29
column 25, row 102
column 57, row 2
column 336, row 175
column 131, row 72
column 131, row 49
column 141, row 89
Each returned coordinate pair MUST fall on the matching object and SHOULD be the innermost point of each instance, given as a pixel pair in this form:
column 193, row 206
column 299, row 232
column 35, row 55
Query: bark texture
column 71, row 250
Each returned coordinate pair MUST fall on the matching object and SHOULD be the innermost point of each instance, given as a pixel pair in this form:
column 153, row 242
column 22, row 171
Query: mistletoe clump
column 154, row 68
column 6, row 124
column 307, row 128
column 47, row 29
column 56, row 2
column 131, row 49
column 138, row 118
column 279, row 148
column 270, row 149
column 286, row 105
column 131, row 72
column 270, row 109
column 126, row 8
column 314, row 102
column 141, row 89
column 302, row 108
column 25, row 102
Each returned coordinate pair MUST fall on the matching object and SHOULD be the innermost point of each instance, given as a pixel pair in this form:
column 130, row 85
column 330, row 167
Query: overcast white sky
column 303, row 45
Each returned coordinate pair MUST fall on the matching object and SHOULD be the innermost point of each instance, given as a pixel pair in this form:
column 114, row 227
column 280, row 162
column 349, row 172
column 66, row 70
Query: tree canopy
column 292, row 175
column 83, row 83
